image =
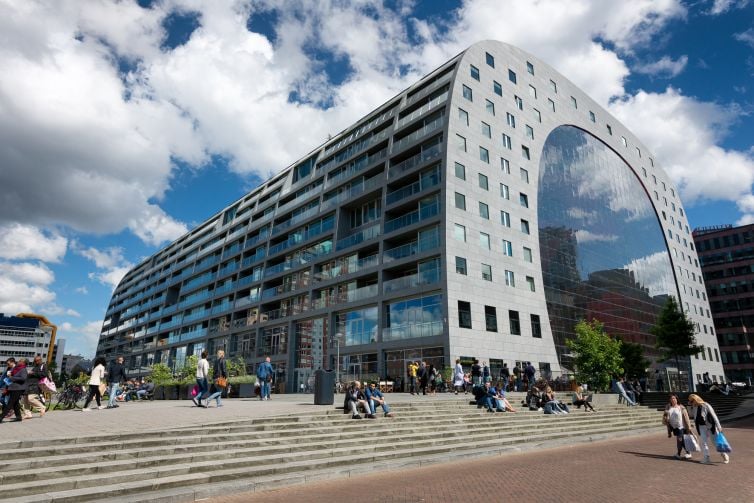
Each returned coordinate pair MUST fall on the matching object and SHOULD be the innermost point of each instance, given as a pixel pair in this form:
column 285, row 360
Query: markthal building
column 478, row 214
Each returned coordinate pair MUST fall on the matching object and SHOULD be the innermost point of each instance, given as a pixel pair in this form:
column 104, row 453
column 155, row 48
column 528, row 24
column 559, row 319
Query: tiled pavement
column 636, row 469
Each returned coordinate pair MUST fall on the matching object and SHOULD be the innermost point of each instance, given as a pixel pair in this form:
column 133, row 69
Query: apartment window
column 507, row 248
column 525, row 152
column 467, row 93
column 484, row 240
column 523, row 199
column 486, row 130
column 460, row 171
column 530, row 68
column 511, row 75
column 486, row 272
column 554, row 86
column 551, row 103
column 574, row 103
column 592, row 117
column 461, row 266
column 490, row 318
column 644, row 172
column 532, row 91
column 537, row 115
column 510, row 119
column 525, row 226
column 490, row 59
column 609, row 130
column 515, row 323
column 524, row 173
column 530, row 283
column 461, row 143
column 483, row 183
column 497, row 88
column 505, row 191
column 638, row 152
column 505, row 218
column 623, row 141
column 507, row 143
column 510, row 278
column 490, row 107
column 484, row 211
column 460, row 201
column 527, row 254
column 519, row 102
column 529, row 132
column 474, row 72
column 536, row 326
column 463, row 116
column 717, row 355
column 651, row 162
column 464, row 314
column 505, row 165
column 460, row 232
column 484, row 155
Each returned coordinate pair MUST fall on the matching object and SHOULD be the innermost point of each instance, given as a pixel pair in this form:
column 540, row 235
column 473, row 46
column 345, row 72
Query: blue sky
column 124, row 124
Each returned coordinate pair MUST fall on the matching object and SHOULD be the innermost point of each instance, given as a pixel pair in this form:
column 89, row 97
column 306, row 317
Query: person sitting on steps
column 354, row 398
column 375, row 398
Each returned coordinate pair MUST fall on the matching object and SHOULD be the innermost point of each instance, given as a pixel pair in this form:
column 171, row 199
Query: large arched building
column 478, row 214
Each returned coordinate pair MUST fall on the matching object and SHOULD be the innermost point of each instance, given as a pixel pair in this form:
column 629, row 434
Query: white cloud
column 24, row 287
column 665, row 67
column 723, row 6
column 80, row 339
column 111, row 264
column 654, row 272
column 746, row 37
column 82, row 290
column 26, row 242
column 585, row 236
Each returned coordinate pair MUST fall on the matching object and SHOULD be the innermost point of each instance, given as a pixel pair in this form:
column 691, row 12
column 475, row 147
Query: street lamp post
column 338, row 337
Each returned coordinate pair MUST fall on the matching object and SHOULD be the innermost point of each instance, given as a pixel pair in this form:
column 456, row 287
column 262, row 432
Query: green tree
column 161, row 374
column 597, row 355
column 634, row 363
column 675, row 333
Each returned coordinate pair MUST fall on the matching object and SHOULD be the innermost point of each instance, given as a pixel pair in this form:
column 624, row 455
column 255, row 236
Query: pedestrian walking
column 413, row 368
column 95, row 379
column 707, row 425
column 264, row 375
column 220, row 379
column 476, row 373
column 17, row 375
column 116, row 374
column 458, row 376
column 202, row 374
column 423, row 377
column 32, row 399
column 677, row 419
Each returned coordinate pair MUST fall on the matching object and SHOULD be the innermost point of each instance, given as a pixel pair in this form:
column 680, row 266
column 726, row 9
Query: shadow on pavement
column 650, row 455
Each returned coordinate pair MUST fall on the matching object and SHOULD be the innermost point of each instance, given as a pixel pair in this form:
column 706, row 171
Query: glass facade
column 603, row 252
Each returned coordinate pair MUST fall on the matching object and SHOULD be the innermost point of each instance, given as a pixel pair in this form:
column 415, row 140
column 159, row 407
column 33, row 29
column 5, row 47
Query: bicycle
column 72, row 396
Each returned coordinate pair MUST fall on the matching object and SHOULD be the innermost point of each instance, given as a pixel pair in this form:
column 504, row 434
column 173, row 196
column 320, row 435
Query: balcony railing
column 353, row 191
column 354, row 295
column 413, row 331
column 414, row 217
column 347, row 268
column 420, row 133
column 357, row 166
column 294, row 220
column 196, row 316
column 422, row 157
column 359, row 237
column 410, row 190
column 254, row 258
column 412, row 248
column 434, row 103
column 411, row 281
column 355, row 148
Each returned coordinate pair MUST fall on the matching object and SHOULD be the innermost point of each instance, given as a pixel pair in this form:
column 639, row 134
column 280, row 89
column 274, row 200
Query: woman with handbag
column 707, row 425
column 220, row 375
column 95, row 380
column 677, row 420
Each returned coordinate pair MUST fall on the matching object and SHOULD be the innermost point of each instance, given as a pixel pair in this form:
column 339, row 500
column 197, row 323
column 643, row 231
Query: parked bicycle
column 72, row 396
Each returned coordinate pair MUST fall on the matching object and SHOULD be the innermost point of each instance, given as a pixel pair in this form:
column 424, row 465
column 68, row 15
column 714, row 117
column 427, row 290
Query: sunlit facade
column 478, row 214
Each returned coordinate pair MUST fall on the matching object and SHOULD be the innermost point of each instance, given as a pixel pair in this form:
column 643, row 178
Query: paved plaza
column 635, row 469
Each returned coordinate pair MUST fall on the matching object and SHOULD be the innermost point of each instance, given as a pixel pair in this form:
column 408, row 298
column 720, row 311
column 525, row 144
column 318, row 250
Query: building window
column 483, row 183
column 515, row 323
column 529, row 132
column 524, row 226
column 592, row 117
column 537, row 115
column 463, row 116
column 511, row 75
column 460, row 201
column 530, row 68
column 467, row 93
column 519, row 102
column 507, row 143
column 497, row 88
column 510, row 119
column 460, row 171
column 532, row 91
column 551, row 103
column 486, row 130
column 609, row 130
column 484, row 211
column 490, row 318
column 490, row 107
column 486, row 272
column 490, row 59
column 484, row 155
column 464, row 314
column 461, row 266
column 651, row 162
column 460, row 232
column 717, row 355
column 623, row 141
column 505, row 165
column 524, row 175
column 525, row 152
column 523, row 199
column 461, row 143
column 574, row 103
column 638, row 152
column 504, row 191
column 644, row 172
column 527, row 254
column 530, row 283
column 505, row 218
column 474, row 72
column 554, row 86
column 510, row 279
column 484, row 240
column 536, row 326
column 507, row 248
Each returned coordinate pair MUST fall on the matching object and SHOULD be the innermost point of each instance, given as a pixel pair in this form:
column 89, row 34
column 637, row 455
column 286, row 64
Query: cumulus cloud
column 654, row 272
column 665, row 67
column 26, row 242
column 25, row 286
column 747, row 37
column 722, row 6
column 110, row 263
column 585, row 236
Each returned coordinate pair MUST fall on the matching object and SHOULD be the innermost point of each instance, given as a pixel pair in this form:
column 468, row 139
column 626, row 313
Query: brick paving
column 635, row 469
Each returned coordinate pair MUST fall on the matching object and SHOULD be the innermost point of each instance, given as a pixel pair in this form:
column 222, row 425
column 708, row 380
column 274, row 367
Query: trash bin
column 324, row 387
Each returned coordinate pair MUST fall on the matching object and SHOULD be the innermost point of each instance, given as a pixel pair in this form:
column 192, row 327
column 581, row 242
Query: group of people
column 544, row 400
column 521, row 379
column 424, row 377
column 492, row 398
column 678, row 421
column 22, row 388
column 627, row 391
column 206, row 391
column 366, row 400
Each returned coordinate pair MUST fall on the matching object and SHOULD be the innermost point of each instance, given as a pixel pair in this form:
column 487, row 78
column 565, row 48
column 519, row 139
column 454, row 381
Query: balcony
column 196, row 315
column 412, row 248
column 254, row 258
column 256, row 239
column 228, row 269
column 220, row 308
column 227, row 287
column 416, row 216
column 296, row 238
column 347, row 268
column 357, row 166
column 170, row 324
column 297, row 200
column 294, row 220
column 353, row 191
column 420, row 133
column 410, row 190
column 359, row 237
column 434, row 103
column 411, row 281
column 413, row 331
column 354, row 149
column 422, row 157
column 354, row 295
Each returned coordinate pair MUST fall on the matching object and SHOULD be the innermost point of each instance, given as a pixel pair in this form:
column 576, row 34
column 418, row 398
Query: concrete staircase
column 724, row 405
column 185, row 464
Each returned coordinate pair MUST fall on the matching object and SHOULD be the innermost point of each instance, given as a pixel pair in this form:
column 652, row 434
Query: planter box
column 245, row 390
column 169, row 392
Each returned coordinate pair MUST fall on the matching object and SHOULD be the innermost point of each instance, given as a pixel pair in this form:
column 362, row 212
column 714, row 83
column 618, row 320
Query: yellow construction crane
column 43, row 321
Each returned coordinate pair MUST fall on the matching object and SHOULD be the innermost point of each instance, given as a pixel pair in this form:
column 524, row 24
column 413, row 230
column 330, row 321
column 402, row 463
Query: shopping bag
column 721, row 443
column 690, row 443
column 195, row 390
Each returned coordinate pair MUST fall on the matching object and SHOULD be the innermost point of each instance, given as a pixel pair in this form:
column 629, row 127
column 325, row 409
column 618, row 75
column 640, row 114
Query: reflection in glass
column 603, row 251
